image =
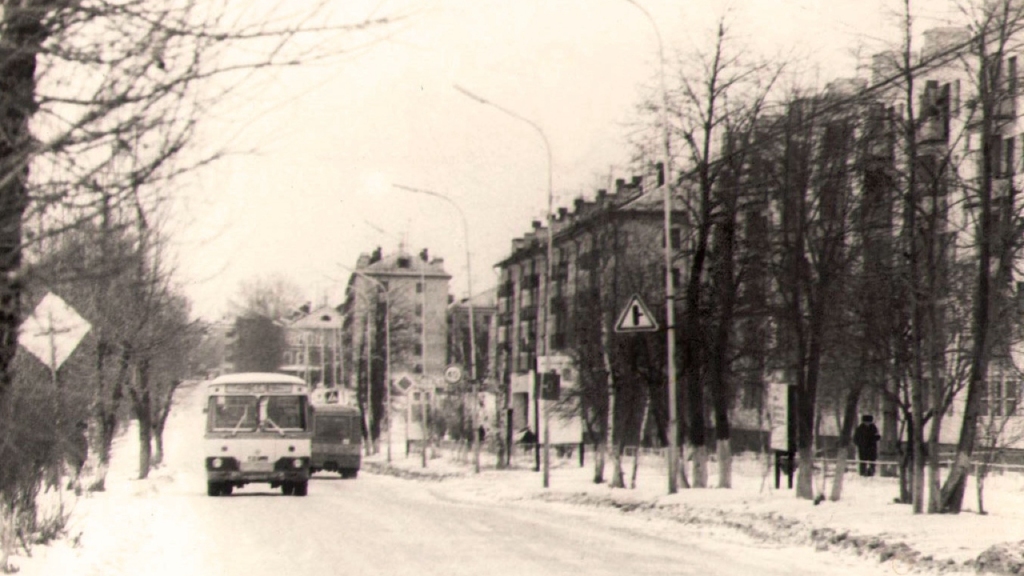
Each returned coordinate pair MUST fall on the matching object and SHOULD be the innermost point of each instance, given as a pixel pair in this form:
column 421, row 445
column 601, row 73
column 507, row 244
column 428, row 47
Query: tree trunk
column 643, row 428
column 952, row 496
column 917, row 447
column 158, row 446
column 599, row 449
column 691, row 349
column 845, row 436
column 107, row 409
column 806, row 411
column 161, row 422
column 23, row 35
column 145, row 443
column 980, row 487
column 142, row 402
column 724, row 464
column 610, row 440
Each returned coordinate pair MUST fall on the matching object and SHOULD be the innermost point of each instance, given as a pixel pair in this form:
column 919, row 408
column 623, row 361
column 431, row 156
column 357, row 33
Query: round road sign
column 453, row 374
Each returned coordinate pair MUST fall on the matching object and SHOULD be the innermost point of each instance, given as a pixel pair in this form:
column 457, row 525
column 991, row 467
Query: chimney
column 578, row 205
column 636, row 181
column 424, row 255
column 620, row 183
column 601, row 196
column 562, row 213
column 536, row 225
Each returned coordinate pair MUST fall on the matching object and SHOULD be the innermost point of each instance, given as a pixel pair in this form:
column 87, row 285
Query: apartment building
column 605, row 252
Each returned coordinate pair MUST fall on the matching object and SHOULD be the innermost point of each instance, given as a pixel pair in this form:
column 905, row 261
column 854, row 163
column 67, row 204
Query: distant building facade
column 416, row 288
column 313, row 346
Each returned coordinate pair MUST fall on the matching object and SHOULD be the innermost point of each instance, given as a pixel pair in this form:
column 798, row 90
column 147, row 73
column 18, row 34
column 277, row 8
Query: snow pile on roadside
column 865, row 521
column 123, row 513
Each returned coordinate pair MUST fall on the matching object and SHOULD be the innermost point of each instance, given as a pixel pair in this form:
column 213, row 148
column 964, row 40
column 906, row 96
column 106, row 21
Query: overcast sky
column 333, row 139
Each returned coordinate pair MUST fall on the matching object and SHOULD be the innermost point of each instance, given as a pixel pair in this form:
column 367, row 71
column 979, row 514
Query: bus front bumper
column 220, row 469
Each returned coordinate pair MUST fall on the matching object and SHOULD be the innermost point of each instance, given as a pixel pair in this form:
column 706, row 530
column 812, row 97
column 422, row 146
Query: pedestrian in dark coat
column 866, row 439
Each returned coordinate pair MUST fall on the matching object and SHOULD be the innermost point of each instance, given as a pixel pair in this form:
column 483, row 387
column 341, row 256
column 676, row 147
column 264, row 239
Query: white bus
column 258, row 429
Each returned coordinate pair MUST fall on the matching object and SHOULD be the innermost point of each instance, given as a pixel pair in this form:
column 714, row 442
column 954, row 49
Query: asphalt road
column 389, row 526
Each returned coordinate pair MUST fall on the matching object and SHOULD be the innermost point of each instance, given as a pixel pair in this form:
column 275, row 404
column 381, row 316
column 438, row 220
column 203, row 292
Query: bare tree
column 99, row 104
column 995, row 28
column 272, row 296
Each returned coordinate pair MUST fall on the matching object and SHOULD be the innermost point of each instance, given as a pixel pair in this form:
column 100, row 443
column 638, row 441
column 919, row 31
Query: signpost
column 636, row 317
column 780, row 442
column 52, row 332
column 453, row 374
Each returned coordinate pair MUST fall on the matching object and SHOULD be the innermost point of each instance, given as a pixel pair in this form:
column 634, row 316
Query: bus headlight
column 297, row 463
column 217, row 463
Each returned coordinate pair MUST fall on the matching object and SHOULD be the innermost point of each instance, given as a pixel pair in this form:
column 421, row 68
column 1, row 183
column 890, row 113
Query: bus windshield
column 245, row 413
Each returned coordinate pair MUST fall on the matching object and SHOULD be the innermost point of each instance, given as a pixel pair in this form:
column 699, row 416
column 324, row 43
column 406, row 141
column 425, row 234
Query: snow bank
column 865, row 521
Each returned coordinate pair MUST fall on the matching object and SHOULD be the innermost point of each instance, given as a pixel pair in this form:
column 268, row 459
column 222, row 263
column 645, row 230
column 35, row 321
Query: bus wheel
column 213, row 489
column 226, row 488
column 300, row 488
column 349, row 473
column 287, row 488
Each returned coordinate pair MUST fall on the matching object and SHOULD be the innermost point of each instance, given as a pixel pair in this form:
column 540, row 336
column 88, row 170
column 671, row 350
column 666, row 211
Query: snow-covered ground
column 109, row 532
column 866, row 520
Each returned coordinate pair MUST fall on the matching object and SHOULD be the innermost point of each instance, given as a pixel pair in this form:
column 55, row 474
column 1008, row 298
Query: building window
column 1008, row 149
column 418, row 348
column 419, row 287
column 1003, row 397
column 417, row 369
column 419, row 309
column 1011, row 75
column 955, row 107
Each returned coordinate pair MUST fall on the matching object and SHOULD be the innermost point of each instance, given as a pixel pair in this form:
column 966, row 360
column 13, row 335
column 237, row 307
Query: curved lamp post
column 670, row 296
column 472, row 318
column 550, row 254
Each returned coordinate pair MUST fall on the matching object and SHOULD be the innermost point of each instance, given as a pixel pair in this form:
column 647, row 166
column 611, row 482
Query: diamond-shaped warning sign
column 53, row 331
column 636, row 317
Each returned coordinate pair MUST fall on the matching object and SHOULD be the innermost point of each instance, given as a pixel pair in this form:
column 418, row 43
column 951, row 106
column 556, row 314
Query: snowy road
column 385, row 525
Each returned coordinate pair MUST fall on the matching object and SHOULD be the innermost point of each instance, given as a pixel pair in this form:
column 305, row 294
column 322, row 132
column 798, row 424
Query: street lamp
column 550, row 258
column 423, row 361
column 472, row 319
column 387, row 356
column 670, row 296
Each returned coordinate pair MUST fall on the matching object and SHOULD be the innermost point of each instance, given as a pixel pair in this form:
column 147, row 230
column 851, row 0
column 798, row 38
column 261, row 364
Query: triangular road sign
column 636, row 317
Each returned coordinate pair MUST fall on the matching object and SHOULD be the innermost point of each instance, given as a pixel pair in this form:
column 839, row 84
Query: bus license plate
column 254, row 465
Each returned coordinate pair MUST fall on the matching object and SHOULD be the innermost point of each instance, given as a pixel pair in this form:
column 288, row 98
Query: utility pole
column 550, row 262
column 670, row 293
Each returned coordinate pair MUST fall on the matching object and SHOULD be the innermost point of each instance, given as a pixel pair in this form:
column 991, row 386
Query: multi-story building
column 967, row 94
column 415, row 288
column 313, row 346
column 605, row 252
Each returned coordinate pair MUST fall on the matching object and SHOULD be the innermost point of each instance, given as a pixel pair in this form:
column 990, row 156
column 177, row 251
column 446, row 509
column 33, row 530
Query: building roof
column 323, row 317
column 481, row 300
column 627, row 199
column 404, row 264
column 257, row 378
